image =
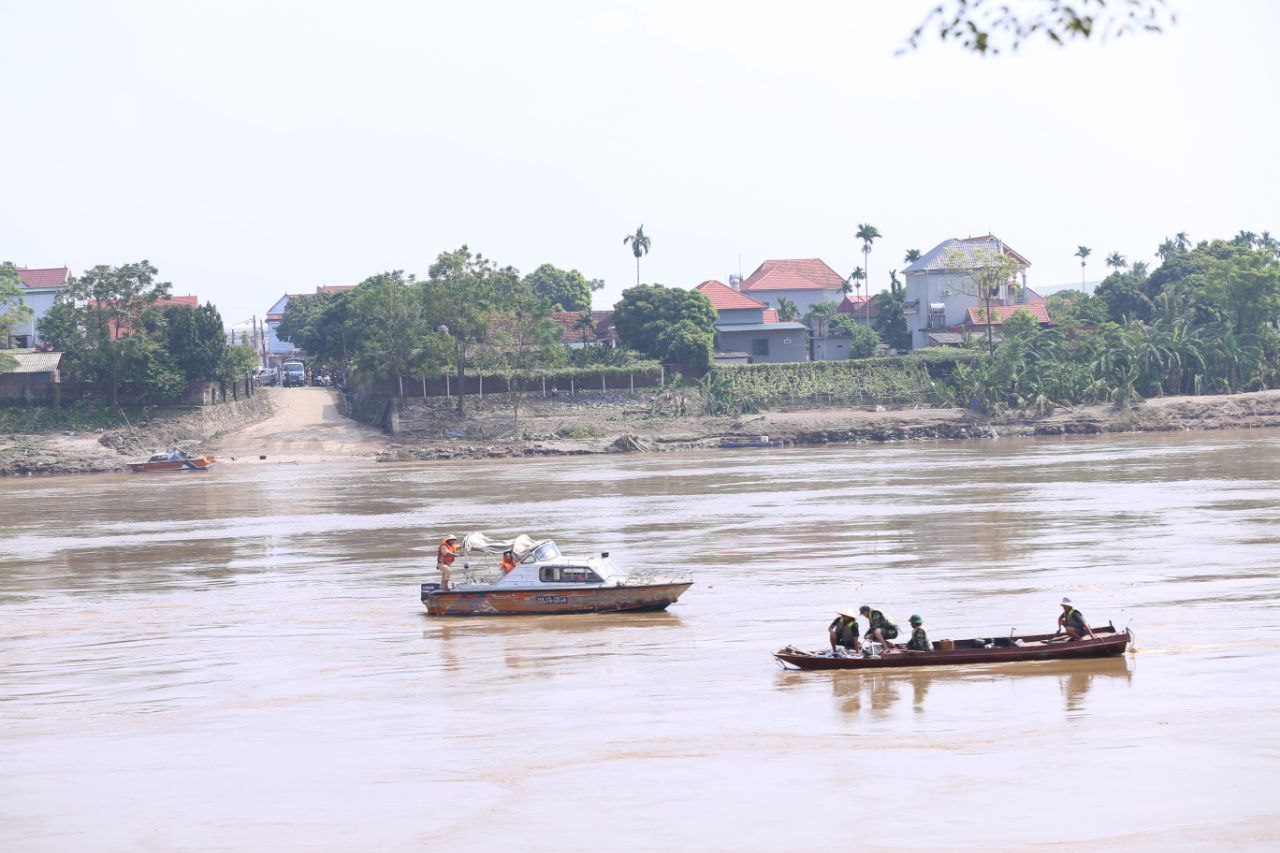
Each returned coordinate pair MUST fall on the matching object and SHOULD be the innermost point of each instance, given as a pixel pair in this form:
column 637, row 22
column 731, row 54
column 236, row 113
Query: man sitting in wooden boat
column 881, row 630
column 919, row 641
column 1072, row 623
column 844, row 632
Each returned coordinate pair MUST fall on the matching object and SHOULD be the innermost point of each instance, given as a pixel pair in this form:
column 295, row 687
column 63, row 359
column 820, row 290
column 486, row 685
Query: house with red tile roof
column 576, row 334
column 39, row 288
column 747, row 329
column 804, row 281
column 940, row 291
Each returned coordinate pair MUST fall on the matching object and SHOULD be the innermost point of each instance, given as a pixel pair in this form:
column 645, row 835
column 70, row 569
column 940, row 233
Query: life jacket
column 1074, row 618
column 446, row 552
column 508, row 563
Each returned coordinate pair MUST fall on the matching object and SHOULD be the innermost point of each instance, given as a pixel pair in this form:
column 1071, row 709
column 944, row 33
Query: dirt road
column 305, row 426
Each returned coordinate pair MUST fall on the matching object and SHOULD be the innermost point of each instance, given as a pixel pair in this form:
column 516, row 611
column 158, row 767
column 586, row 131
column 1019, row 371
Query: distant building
column 805, row 281
column 939, row 291
column 575, row 334
column 747, row 329
column 40, row 287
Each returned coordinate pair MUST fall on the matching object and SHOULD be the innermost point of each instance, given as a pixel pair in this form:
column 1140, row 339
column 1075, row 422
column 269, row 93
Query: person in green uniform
column 881, row 630
column 1072, row 623
column 919, row 641
column 844, row 631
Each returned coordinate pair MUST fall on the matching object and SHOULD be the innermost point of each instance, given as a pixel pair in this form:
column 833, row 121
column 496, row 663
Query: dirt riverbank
column 105, row 451
column 610, row 424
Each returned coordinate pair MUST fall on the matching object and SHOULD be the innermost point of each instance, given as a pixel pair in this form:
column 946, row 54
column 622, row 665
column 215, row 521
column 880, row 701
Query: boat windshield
column 546, row 551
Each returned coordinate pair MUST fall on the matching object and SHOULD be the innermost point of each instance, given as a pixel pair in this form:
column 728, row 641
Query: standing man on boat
column 919, row 641
column 881, row 630
column 1072, row 623
column 445, row 555
column 844, row 631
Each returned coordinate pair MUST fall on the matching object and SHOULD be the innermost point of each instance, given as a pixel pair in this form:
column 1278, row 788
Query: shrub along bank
column 885, row 381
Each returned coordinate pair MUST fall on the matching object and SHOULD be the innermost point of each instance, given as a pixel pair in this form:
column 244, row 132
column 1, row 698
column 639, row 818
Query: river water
column 239, row 660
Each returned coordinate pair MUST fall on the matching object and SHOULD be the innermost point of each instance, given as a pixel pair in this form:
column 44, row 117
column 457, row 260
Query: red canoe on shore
column 1106, row 643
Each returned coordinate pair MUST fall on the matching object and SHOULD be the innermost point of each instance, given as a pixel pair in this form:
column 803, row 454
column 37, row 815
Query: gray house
column 749, row 330
column 940, row 291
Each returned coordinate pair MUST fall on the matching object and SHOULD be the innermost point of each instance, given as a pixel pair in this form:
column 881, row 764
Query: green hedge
column 888, row 380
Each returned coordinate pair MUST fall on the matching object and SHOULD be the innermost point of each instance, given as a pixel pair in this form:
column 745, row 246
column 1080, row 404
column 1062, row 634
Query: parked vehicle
column 294, row 373
column 266, row 376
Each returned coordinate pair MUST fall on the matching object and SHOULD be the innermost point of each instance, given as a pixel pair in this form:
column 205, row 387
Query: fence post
column 662, row 375
column 632, row 377
column 603, row 386
column 424, row 386
column 544, row 386
column 447, row 391
column 572, row 391
column 481, row 386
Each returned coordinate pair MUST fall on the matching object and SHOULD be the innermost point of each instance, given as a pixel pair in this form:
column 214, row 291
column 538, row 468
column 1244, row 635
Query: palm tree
column 639, row 243
column 911, row 256
column 856, row 277
column 1183, row 239
column 1245, row 238
column 867, row 233
column 1117, row 261
column 1139, row 268
column 585, row 325
column 1267, row 243
column 1166, row 249
column 787, row 309
column 1083, row 252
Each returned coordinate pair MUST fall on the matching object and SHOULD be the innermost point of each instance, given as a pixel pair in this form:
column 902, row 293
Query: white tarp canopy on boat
column 520, row 546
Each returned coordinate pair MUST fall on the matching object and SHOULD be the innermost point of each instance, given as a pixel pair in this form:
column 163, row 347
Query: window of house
column 760, row 346
column 567, row 574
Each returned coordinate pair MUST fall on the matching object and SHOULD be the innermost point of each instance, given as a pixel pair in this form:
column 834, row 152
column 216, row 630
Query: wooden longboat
column 1106, row 643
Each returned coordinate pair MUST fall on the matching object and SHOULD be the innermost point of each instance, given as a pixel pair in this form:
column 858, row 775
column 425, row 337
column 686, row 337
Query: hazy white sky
column 248, row 149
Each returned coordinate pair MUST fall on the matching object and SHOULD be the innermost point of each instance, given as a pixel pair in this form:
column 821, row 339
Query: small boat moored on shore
column 544, row 581
column 1106, row 642
column 174, row 459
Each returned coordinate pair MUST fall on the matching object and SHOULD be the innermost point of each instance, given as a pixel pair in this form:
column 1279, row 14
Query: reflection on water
column 240, row 661
column 875, row 693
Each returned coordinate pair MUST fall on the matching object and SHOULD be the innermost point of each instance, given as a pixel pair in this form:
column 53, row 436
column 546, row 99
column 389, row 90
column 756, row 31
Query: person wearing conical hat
column 445, row 555
column 844, row 631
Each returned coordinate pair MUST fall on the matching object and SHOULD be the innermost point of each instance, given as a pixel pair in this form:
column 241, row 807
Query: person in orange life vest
column 508, row 561
column 445, row 555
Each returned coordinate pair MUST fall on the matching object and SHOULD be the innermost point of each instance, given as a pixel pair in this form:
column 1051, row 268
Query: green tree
column 855, row 280
column 911, row 256
column 787, row 309
column 390, row 309
column 991, row 27
column 524, row 338
column 323, row 325
column 238, row 360
column 103, row 321
column 1117, row 261
column 863, row 341
column 463, row 292
column 1073, row 308
column 1083, row 253
column 564, row 290
column 196, row 340
column 666, row 324
column 984, row 272
column 890, row 320
column 639, row 243
column 12, row 309
column 1125, row 301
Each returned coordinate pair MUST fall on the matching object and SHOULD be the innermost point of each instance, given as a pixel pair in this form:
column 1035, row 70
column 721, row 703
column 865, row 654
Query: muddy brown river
column 239, row 660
